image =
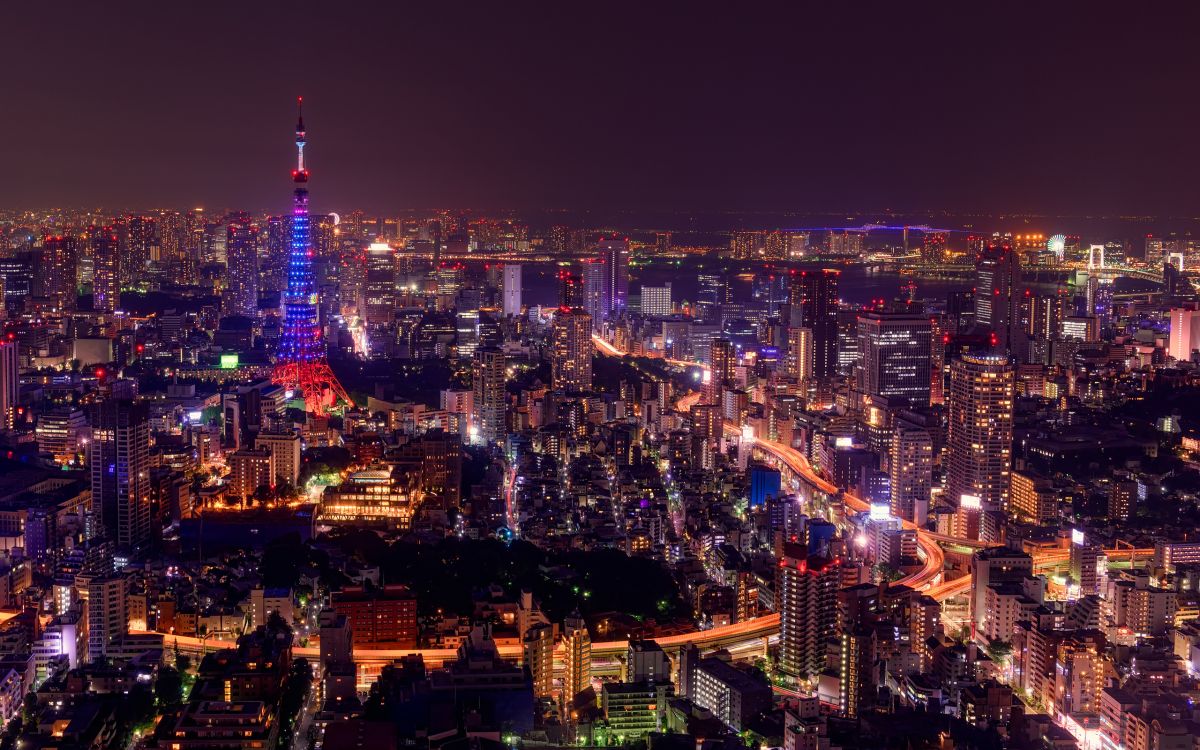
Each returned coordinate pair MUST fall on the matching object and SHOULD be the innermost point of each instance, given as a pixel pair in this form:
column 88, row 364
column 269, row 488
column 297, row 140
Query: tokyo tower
column 300, row 365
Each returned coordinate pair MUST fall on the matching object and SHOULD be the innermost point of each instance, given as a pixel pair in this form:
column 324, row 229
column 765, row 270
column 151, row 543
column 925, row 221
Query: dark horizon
column 964, row 110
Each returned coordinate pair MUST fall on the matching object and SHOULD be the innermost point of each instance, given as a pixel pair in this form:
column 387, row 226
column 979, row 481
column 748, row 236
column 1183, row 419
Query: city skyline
column 340, row 474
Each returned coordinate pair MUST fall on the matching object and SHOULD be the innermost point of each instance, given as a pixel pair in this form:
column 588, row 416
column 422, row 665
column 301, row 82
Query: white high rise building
column 512, row 289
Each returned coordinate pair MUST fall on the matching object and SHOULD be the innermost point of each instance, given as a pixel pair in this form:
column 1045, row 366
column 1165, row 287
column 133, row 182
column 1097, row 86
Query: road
column 743, row 637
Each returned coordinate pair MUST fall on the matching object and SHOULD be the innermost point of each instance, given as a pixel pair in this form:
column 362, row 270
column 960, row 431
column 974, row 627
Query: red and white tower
column 301, row 365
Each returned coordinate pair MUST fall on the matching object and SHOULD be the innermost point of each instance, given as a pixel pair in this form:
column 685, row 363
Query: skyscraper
column 1000, row 298
column 538, row 648
column 107, row 614
column 60, row 258
column 571, row 353
column 979, row 439
column 107, row 272
column 813, row 297
column 119, row 464
column 895, row 351
column 142, row 249
column 806, row 593
column 380, row 286
column 577, row 657
column 800, row 353
column 511, row 293
column 9, row 383
column 241, row 257
column 596, row 299
column 571, row 291
column 910, row 464
column 616, row 257
column 489, row 395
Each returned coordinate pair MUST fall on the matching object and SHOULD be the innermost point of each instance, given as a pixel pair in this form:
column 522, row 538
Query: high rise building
column 571, row 353
column 10, row 381
column 571, row 291
column 119, row 464
column 249, row 469
column 597, row 300
column 847, row 242
column 979, row 439
column 538, row 647
column 806, row 597
column 107, row 614
column 656, row 300
column 489, row 398
column 1084, row 564
column 285, row 454
column 1184, row 333
column 380, row 285
column 106, row 273
column 577, row 657
column 142, row 250
column 910, row 464
column 895, row 353
column 992, row 566
column 800, row 353
column 241, row 258
column 616, row 259
column 511, row 292
column 60, row 259
column 1000, row 298
column 813, row 297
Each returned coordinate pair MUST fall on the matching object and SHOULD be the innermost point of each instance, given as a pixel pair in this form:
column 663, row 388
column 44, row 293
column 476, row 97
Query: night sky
column 603, row 105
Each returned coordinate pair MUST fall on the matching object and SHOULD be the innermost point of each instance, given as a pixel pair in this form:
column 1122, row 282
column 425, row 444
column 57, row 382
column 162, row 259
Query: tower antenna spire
column 300, row 365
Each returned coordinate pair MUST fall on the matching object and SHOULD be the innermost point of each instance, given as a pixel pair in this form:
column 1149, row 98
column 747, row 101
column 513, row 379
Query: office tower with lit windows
column 571, row 351
column 979, row 437
column 380, row 285
column 119, row 463
column 894, row 347
column 60, row 261
column 241, row 258
column 489, row 376
column 1000, row 298
column 806, row 597
column 510, row 292
column 813, row 298
column 656, row 300
column 107, row 272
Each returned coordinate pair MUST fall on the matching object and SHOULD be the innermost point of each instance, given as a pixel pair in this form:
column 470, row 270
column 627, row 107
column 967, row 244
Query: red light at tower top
column 301, row 365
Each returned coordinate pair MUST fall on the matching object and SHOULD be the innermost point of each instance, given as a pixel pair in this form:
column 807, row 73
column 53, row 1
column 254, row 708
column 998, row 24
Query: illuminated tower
column 300, row 365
